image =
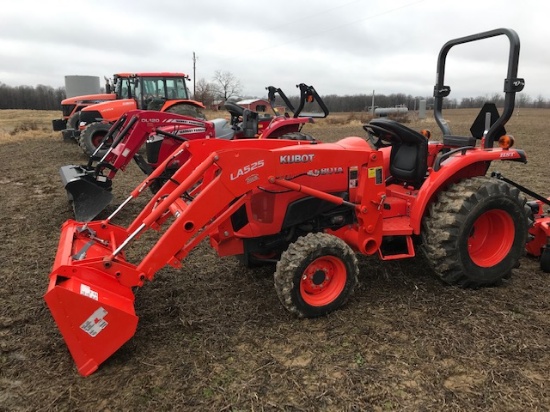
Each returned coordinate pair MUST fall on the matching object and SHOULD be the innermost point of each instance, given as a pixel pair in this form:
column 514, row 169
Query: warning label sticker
column 87, row 291
column 95, row 323
column 376, row 173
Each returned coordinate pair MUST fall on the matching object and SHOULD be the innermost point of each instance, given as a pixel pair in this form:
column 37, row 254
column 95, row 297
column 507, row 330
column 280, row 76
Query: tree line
column 226, row 86
column 27, row 97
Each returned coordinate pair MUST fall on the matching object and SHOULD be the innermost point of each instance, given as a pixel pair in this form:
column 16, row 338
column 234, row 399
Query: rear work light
column 506, row 141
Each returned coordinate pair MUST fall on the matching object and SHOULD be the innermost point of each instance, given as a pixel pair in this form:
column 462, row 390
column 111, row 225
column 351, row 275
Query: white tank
column 80, row 85
column 385, row 111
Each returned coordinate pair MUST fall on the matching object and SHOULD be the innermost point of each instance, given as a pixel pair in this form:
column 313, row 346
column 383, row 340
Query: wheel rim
column 98, row 137
column 323, row 281
column 491, row 238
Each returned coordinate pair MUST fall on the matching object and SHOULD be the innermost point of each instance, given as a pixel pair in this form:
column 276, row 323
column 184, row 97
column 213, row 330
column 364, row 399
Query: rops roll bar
column 512, row 84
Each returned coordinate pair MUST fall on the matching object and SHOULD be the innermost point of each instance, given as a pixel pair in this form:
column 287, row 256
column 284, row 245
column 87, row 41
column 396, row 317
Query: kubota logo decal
column 296, row 158
column 247, row 169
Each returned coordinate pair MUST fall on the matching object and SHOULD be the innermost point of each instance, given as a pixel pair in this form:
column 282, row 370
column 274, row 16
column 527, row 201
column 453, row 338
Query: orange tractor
column 88, row 118
column 309, row 207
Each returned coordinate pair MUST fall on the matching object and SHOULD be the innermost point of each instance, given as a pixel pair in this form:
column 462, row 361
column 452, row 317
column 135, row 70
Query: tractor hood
column 89, row 98
column 108, row 111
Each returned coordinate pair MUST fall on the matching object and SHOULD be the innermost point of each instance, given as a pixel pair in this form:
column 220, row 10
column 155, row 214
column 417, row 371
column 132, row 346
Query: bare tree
column 523, row 100
column 204, row 92
column 539, row 102
column 27, row 97
column 226, row 85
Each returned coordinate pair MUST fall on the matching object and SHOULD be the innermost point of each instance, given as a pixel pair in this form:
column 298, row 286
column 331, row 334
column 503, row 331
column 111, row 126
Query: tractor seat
column 409, row 153
column 249, row 124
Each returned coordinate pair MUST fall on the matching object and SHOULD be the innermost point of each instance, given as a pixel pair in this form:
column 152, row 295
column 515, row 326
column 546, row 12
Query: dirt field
column 214, row 337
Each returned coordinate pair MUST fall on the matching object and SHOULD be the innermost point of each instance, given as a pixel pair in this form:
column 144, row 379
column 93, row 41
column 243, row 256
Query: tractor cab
column 149, row 90
column 122, row 87
column 151, row 93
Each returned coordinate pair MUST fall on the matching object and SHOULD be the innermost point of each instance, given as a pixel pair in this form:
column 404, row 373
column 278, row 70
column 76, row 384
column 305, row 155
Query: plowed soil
column 213, row 336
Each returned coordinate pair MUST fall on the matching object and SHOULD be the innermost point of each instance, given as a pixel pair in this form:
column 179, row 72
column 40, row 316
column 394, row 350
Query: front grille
column 67, row 109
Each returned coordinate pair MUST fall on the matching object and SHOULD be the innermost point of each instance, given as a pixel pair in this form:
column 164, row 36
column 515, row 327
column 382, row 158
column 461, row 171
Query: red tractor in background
column 308, row 207
column 88, row 118
column 89, row 186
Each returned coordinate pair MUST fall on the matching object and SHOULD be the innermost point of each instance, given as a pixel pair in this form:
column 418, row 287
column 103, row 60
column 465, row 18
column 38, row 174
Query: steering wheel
column 235, row 110
column 380, row 136
column 148, row 98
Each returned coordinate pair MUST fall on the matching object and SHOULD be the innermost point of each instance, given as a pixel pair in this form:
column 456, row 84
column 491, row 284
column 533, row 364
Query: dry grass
column 18, row 125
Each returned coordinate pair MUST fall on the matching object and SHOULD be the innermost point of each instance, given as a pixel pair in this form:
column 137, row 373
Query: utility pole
column 194, row 76
column 372, row 104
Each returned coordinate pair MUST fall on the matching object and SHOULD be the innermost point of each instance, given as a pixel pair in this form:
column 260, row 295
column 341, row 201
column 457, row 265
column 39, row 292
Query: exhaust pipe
column 89, row 194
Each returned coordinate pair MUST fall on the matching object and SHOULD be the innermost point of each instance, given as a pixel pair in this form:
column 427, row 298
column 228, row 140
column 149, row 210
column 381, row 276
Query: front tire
column 475, row 233
column 73, row 121
column 316, row 275
column 91, row 138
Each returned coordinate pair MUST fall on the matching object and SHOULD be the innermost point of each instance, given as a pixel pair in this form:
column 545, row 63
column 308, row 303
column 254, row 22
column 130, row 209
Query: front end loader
column 309, row 207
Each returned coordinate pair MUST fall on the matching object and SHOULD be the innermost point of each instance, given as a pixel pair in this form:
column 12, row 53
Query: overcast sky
column 341, row 47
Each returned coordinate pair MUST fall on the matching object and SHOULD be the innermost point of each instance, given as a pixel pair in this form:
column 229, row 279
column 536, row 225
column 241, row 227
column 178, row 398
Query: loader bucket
column 93, row 310
column 86, row 194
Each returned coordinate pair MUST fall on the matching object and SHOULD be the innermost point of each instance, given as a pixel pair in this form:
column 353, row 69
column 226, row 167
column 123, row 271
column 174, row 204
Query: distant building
column 256, row 105
column 217, row 105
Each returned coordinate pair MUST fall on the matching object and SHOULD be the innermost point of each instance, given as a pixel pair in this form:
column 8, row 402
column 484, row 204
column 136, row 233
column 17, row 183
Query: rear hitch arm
column 529, row 192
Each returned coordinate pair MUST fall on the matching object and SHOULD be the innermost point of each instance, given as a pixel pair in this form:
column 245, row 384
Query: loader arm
column 138, row 125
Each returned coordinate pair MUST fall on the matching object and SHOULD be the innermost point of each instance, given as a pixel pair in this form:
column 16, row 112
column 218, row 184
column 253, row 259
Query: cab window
column 176, row 89
column 154, row 87
column 123, row 88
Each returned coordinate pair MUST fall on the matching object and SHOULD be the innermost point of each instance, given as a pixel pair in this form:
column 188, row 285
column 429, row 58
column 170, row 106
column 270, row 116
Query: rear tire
column 475, row 233
column 187, row 110
column 316, row 275
column 91, row 137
